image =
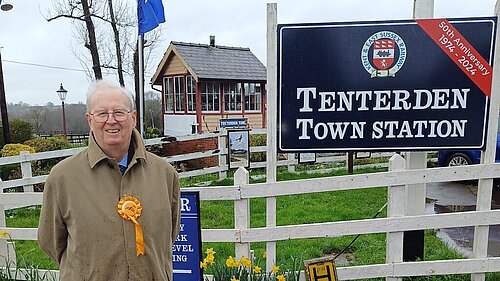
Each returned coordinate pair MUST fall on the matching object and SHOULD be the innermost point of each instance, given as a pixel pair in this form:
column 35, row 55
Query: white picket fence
column 242, row 235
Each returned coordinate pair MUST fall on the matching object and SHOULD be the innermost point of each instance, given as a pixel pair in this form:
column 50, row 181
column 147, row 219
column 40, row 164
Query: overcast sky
column 26, row 37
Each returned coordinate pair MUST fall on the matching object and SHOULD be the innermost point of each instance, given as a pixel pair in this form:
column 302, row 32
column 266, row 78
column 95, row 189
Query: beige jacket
column 80, row 227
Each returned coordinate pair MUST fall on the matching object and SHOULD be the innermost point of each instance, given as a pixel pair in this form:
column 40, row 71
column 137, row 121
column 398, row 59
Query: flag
column 150, row 14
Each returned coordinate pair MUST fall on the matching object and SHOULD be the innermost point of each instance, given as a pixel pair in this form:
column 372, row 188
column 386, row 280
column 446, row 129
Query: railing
column 242, row 235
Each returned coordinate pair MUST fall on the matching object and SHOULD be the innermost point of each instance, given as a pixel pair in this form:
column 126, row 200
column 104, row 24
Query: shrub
column 258, row 140
column 14, row 149
column 20, row 131
column 14, row 170
column 48, row 144
column 152, row 132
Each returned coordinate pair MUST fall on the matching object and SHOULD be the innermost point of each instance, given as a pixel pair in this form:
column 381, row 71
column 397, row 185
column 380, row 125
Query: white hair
column 101, row 84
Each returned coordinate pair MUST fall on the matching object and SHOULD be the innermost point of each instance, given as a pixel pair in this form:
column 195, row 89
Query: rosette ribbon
column 130, row 209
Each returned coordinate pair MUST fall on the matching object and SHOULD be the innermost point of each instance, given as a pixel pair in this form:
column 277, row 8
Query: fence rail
column 242, row 235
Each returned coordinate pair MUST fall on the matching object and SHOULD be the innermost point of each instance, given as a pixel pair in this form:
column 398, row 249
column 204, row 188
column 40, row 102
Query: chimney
column 212, row 40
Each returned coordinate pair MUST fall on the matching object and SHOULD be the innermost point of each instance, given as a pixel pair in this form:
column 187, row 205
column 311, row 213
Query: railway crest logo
column 383, row 54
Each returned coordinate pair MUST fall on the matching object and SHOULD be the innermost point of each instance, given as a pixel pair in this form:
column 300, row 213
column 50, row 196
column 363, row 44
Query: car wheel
column 459, row 159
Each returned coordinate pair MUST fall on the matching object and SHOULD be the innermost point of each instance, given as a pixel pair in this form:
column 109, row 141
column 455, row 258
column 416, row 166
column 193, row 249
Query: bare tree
column 152, row 107
column 114, row 53
column 38, row 116
column 81, row 10
column 117, row 42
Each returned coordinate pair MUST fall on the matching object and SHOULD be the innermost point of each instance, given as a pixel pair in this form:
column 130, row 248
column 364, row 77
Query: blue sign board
column 384, row 86
column 233, row 122
column 187, row 250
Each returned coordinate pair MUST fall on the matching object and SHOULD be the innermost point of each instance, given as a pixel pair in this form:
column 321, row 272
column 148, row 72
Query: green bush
column 258, row 140
column 152, row 132
column 11, row 171
column 40, row 144
column 20, row 131
column 14, row 149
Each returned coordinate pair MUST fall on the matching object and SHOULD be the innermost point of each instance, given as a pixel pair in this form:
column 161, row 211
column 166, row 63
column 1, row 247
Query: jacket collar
column 138, row 150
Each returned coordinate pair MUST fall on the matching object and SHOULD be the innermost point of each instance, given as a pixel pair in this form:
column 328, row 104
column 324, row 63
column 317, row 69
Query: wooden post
column 395, row 208
column 221, row 140
column 3, row 241
column 272, row 109
column 26, row 171
column 242, row 213
column 485, row 186
column 350, row 162
column 291, row 166
column 415, row 195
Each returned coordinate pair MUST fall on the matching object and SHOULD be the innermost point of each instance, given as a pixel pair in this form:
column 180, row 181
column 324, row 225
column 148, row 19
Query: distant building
column 201, row 84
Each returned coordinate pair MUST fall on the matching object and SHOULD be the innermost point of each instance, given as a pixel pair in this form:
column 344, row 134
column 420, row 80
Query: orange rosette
column 130, row 209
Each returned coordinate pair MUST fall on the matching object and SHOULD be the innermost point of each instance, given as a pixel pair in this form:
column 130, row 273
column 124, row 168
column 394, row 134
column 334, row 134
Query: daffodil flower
column 210, row 252
column 203, row 265
column 281, row 277
column 230, row 262
column 257, row 269
column 246, row 262
column 276, row 269
column 234, row 279
column 4, row 234
column 209, row 259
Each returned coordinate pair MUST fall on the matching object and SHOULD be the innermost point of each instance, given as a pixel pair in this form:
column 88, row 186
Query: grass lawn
column 292, row 209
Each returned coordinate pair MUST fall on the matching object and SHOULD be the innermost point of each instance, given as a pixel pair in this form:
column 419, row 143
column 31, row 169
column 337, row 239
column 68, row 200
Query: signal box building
column 202, row 84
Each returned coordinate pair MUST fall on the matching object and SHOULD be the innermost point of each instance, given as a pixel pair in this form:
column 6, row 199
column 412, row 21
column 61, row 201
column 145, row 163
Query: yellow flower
column 276, row 268
column 209, row 259
column 203, row 265
column 257, row 269
column 210, row 252
column 234, row 279
column 264, row 254
column 246, row 262
column 230, row 262
column 236, row 263
column 4, row 234
column 281, row 277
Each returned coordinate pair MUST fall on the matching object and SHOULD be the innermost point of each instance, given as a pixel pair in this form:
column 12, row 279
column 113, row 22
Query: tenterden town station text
column 379, row 101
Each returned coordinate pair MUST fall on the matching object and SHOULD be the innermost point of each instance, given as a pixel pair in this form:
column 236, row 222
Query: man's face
column 111, row 135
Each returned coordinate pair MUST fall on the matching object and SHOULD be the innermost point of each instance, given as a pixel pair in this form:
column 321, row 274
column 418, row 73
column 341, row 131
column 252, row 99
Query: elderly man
column 111, row 212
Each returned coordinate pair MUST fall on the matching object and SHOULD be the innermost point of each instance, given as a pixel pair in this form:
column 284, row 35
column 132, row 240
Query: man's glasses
column 102, row 116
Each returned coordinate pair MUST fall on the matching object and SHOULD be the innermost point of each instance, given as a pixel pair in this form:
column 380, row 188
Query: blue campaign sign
column 187, row 250
column 384, row 86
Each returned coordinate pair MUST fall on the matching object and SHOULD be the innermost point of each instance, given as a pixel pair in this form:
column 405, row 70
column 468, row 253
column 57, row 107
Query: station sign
column 413, row 85
column 233, row 123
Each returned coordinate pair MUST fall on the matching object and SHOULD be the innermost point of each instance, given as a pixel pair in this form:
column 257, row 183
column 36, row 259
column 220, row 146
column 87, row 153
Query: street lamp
column 62, row 96
column 6, row 5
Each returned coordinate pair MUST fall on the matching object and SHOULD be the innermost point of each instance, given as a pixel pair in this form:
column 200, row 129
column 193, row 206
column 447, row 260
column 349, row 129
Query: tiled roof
column 221, row 62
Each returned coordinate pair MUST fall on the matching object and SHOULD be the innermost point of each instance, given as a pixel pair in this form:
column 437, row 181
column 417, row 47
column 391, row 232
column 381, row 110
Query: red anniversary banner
column 460, row 51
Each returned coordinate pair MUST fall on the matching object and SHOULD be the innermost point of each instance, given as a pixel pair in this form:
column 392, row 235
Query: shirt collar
column 95, row 154
column 124, row 161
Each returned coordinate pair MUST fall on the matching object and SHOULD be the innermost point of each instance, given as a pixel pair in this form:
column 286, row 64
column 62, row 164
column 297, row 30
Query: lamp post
column 5, row 5
column 62, row 96
column 3, row 108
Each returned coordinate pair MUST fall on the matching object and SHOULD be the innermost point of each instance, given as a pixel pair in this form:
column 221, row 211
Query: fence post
column 222, row 156
column 291, row 167
column 485, row 186
column 242, row 213
column 272, row 109
column 4, row 254
column 395, row 208
column 26, row 171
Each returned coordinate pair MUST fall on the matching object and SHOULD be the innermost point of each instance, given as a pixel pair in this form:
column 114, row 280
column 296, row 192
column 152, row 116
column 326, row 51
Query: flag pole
column 141, row 84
